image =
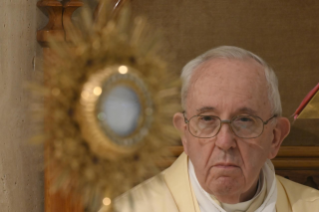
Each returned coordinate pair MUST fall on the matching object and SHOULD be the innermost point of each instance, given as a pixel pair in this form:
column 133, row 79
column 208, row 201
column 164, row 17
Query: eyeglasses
column 243, row 126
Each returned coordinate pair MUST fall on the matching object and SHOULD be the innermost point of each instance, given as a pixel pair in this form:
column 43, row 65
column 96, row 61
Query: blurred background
column 284, row 33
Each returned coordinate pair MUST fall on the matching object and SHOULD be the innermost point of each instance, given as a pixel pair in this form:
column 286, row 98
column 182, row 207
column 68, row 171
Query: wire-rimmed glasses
column 243, row 126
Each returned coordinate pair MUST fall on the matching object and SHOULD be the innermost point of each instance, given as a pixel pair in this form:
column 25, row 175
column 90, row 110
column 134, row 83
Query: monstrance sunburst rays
column 95, row 173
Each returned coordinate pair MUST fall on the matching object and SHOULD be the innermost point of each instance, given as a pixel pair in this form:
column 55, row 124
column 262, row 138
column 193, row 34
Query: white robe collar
column 207, row 204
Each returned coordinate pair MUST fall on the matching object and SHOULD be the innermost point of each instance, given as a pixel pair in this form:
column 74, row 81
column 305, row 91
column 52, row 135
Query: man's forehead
column 229, row 78
column 229, row 69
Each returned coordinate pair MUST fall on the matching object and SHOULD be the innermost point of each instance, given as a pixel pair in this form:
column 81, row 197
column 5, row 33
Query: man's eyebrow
column 247, row 110
column 205, row 109
column 240, row 110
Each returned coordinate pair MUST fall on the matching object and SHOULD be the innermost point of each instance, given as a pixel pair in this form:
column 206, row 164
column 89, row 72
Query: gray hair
column 231, row 52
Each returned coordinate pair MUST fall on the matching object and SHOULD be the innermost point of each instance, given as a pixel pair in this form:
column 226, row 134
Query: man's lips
column 225, row 165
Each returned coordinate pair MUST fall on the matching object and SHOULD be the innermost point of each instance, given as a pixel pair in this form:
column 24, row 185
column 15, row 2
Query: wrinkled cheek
column 256, row 157
column 255, row 161
column 206, row 142
column 200, row 152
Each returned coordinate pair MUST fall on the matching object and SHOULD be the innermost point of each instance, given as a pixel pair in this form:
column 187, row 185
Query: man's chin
column 224, row 186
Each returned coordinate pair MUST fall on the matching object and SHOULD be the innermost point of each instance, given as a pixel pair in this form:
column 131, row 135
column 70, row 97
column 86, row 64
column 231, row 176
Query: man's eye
column 245, row 119
column 207, row 118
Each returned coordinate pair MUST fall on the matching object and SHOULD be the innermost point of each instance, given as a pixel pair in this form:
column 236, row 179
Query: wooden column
column 58, row 13
column 54, row 10
column 69, row 6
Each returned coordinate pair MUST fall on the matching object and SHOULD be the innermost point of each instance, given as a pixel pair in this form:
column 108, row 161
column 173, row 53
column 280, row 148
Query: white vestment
column 172, row 191
column 267, row 203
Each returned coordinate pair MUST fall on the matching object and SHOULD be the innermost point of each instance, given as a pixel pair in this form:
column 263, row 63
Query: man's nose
column 225, row 138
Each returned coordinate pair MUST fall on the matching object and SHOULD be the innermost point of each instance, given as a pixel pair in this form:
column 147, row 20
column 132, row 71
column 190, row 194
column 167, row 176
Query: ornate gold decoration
column 101, row 166
column 106, row 143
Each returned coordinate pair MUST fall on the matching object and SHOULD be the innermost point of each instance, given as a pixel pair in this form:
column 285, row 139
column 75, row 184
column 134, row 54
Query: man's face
column 228, row 166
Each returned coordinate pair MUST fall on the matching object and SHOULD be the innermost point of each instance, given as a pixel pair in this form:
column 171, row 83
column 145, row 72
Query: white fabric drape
column 207, row 204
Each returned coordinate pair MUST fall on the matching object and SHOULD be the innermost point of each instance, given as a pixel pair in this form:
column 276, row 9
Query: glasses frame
column 227, row 121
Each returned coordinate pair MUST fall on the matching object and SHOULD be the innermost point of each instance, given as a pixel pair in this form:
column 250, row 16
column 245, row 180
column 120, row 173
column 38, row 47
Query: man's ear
column 280, row 132
column 179, row 123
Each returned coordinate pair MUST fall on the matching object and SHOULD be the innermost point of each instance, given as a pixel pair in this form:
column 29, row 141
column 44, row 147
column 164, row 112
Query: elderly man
column 231, row 128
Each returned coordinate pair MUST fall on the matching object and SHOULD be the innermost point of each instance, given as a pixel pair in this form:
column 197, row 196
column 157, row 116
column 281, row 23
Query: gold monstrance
column 109, row 102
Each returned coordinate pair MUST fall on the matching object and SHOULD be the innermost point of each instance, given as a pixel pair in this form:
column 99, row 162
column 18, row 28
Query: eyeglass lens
column 244, row 126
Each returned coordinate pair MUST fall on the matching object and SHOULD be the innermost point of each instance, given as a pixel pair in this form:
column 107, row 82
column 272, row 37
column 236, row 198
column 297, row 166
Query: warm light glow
column 85, row 95
column 97, row 91
column 123, row 69
column 106, row 201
